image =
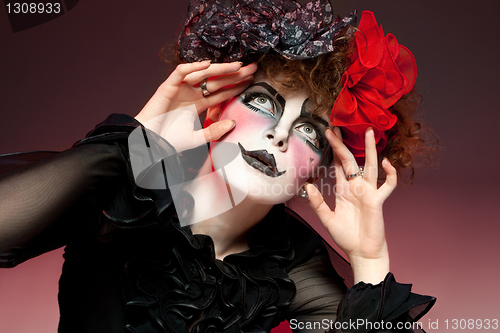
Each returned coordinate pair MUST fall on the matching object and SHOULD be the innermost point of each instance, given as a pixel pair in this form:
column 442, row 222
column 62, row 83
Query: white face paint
column 279, row 141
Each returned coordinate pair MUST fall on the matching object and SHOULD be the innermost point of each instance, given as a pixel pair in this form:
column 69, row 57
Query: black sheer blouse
column 130, row 266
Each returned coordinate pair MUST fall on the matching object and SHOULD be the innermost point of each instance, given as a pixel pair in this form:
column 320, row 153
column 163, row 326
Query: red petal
column 369, row 40
column 345, row 105
column 356, row 70
column 408, row 66
column 373, row 113
column 393, row 45
column 375, row 78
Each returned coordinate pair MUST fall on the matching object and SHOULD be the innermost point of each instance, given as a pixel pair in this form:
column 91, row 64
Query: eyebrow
column 306, row 114
column 273, row 92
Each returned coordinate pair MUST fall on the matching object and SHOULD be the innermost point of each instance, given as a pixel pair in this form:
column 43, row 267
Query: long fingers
column 225, row 93
column 340, row 178
column 345, row 159
column 214, row 83
column 371, row 160
column 390, row 182
column 342, row 154
column 221, row 75
column 213, row 70
column 182, row 70
column 195, row 72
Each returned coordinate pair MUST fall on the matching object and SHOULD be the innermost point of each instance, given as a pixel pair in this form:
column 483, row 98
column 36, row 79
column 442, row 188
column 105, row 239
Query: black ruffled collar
column 187, row 289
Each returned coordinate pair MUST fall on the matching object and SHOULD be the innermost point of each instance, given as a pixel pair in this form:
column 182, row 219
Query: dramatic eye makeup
column 259, row 102
column 261, row 97
column 312, row 129
column 309, row 132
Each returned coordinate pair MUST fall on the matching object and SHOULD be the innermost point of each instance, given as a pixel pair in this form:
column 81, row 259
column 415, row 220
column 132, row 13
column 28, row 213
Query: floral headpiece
column 380, row 73
column 225, row 31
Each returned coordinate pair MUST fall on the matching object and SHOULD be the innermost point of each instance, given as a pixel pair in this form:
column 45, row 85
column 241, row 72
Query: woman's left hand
column 357, row 223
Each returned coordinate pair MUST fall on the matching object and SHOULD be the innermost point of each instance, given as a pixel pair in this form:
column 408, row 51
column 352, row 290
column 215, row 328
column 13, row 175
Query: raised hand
column 357, row 223
column 182, row 89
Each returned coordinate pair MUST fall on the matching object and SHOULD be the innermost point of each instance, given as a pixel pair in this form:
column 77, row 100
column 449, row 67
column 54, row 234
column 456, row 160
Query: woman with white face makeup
column 157, row 243
column 281, row 125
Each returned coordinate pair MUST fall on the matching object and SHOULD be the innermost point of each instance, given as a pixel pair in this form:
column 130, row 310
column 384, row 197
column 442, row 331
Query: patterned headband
column 225, row 31
column 380, row 72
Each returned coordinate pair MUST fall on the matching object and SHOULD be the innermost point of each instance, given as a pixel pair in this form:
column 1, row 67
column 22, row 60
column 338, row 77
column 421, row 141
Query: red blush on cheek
column 305, row 160
column 248, row 122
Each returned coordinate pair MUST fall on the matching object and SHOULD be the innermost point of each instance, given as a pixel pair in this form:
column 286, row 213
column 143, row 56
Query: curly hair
column 321, row 78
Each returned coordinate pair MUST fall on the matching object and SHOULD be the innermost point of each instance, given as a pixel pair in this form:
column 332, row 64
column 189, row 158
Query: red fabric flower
column 381, row 71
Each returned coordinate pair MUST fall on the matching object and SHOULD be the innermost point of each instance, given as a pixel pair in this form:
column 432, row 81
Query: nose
column 278, row 136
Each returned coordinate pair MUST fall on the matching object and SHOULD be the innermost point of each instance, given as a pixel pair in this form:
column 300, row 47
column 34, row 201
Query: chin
column 248, row 183
column 272, row 192
column 270, row 200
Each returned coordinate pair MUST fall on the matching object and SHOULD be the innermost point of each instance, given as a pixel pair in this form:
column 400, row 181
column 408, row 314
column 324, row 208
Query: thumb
column 218, row 129
column 318, row 204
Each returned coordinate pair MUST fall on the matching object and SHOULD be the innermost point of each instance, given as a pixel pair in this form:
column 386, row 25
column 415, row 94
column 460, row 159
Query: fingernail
column 239, row 62
column 234, row 124
column 208, row 61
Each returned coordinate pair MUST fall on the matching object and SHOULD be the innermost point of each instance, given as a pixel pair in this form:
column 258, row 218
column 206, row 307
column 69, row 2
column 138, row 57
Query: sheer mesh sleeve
column 47, row 203
column 323, row 303
column 319, row 291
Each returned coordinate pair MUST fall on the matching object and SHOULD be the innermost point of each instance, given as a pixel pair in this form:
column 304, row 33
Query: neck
column 216, row 215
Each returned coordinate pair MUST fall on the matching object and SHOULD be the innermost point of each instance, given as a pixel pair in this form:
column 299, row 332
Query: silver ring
column 203, row 86
column 361, row 173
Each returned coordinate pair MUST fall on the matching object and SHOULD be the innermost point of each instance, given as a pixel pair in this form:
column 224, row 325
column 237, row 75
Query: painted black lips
column 261, row 160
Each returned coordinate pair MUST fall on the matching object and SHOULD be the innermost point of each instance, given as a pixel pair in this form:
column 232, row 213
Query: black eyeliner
column 248, row 96
column 308, row 115
column 315, row 122
column 272, row 92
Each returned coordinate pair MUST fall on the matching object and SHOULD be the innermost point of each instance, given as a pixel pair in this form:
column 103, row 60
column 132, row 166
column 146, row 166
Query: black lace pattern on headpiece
column 225, row 31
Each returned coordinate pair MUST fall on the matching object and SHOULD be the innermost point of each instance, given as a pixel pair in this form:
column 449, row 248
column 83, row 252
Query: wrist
column 370, row 270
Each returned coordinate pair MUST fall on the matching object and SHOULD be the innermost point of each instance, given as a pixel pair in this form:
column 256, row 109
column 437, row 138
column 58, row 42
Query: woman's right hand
column 182, row 89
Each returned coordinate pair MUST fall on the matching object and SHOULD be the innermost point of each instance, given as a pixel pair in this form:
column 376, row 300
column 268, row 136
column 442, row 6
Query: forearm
column 34, row 196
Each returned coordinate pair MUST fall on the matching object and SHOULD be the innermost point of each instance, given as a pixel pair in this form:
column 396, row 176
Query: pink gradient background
column 59, row 79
